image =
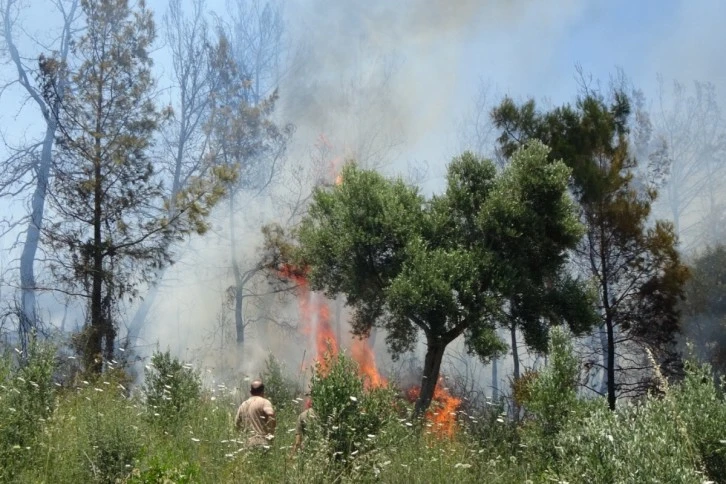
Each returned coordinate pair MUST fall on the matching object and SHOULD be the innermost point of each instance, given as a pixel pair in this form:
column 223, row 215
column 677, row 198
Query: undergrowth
column 177, row 431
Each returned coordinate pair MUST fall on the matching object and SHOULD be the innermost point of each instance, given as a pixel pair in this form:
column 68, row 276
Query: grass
column 99, row 431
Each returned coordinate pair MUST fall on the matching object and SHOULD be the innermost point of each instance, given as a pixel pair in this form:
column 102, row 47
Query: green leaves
column 446, row 265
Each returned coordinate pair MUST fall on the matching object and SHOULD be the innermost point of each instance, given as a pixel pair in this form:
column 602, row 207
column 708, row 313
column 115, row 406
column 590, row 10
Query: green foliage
column 27, row 399
column 97, row 433
column 676, row 438
column 550, row 401
column 279, row 387
column 117, row 224
column 171, row 388
column 446, row 266
column 634, row 262
column 349, row 416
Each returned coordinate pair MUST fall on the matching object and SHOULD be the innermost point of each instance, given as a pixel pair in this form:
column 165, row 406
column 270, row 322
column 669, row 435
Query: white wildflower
column 353, row 399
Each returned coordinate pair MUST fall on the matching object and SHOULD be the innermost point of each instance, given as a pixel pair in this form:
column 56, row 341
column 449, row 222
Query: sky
column 401, row 78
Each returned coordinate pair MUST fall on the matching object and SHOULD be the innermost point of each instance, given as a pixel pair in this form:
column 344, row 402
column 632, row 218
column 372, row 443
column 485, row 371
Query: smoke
column 380, row 82
column 385, row 82
column 383, row 79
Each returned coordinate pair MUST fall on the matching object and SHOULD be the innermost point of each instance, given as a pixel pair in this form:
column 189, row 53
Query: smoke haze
column 387, row 83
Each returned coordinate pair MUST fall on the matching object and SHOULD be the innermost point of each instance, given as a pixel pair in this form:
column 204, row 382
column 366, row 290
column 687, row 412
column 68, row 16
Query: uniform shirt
column 254, row 417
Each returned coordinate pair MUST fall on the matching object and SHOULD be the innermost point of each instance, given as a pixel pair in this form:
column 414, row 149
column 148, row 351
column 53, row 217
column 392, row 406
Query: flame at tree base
column 442, row 412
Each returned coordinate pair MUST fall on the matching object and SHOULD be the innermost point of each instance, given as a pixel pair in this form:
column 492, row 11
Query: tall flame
column 362, row 353
column 315, row 322
column 314, row 309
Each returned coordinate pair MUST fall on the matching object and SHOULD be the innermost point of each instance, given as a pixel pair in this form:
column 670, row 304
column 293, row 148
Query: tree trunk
column 610, row 363
column 238, row 281
column 96, row 330
column 605, row 359
column 28, row 317
column 609, row 356
column 495, row 380
column 515, row 351
column 28, row 320
column 432, row 368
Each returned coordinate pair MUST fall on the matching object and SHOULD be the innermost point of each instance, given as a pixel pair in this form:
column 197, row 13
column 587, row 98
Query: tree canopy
column 633, row 262
column 448, row 265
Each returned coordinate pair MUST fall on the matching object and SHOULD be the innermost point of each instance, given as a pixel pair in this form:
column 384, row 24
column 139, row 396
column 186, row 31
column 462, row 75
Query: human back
column 256, row 417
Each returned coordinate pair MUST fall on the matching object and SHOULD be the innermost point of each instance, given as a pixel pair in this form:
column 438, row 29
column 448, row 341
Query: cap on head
column 257, row 388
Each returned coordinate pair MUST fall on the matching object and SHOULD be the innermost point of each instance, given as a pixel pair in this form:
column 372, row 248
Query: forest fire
column 442, row 412
column 315, row 323
column 314, row 315
column 362, row 353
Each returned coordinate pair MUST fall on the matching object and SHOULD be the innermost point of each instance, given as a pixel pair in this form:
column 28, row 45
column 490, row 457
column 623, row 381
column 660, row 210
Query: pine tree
column 114, row 226
column 632, row 261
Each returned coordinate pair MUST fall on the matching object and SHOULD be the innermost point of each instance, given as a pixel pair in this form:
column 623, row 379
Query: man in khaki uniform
column 256, row 417
column 302, row 425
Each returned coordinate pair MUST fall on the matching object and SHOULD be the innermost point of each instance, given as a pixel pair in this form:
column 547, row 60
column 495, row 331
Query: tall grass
column 99, row 431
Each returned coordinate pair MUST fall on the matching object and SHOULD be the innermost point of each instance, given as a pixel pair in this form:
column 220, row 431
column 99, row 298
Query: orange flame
column 442, row 412
column 315, row 323
column 314, row 309
column 363, row 355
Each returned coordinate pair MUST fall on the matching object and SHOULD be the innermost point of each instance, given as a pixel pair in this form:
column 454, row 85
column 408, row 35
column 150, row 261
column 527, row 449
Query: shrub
column 280, row 389
column 27, row 399
column 550, row 397
column 701, row 411
column 349, row 415
column 676, row 438
column 171, row 387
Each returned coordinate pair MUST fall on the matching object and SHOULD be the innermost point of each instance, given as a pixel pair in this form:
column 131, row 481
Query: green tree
column 113, row 227
column 444, row 266
column 632, row 261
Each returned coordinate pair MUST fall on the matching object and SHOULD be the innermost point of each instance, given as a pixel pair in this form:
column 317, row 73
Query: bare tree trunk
column 431, row 371
column 609, row 353
column 28, row 319
column 495, row 379
column 604, row 382
column 96, row 330
column 610, row 363
column 238, row 280
column 28, row 316
column 93, row 351
column 515, row 351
